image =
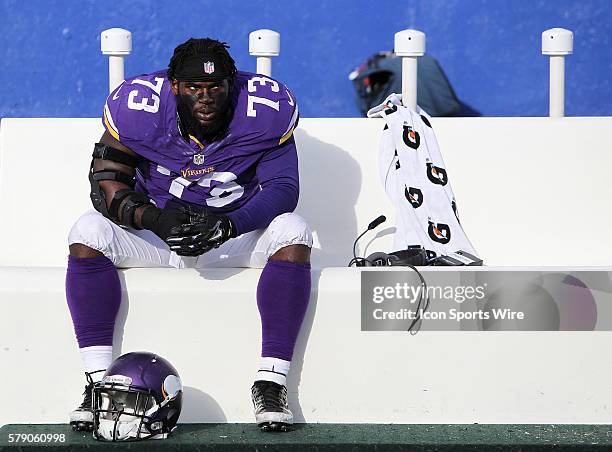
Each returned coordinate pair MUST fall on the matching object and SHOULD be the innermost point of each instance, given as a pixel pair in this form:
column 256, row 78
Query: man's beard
column 193, row 126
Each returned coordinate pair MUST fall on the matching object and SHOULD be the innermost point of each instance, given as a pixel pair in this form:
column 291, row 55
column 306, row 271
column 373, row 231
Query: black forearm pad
column 150, row 217
column 124, row 205
column 97, row 194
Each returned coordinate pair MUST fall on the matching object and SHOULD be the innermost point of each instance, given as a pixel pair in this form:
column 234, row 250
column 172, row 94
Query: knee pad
column 289, row 229
column 93, row 230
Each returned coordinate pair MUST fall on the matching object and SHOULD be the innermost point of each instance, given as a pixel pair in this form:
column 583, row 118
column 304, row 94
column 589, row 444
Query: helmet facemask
column 128, row 413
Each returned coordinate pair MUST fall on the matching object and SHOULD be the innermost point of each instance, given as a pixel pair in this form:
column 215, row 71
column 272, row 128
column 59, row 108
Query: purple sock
column 93, row 292
column 283, row 293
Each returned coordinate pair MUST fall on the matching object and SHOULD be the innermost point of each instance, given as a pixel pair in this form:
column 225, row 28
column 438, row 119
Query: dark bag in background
column 381, row 75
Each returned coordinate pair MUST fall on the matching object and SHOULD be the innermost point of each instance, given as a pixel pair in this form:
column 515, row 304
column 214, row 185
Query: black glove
column 163, row 222
column 204, row 232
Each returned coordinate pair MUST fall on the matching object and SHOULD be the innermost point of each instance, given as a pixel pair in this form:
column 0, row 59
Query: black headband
column 198, row 68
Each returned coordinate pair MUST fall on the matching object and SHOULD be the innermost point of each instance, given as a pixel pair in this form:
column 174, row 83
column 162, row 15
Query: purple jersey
column 257, row 149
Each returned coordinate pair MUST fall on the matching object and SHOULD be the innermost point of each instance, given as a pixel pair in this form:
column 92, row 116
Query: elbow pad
column 124, row 202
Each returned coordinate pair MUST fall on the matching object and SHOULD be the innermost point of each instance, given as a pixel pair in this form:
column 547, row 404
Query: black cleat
column 81, row 419
column 274, row 427
column 272, row 412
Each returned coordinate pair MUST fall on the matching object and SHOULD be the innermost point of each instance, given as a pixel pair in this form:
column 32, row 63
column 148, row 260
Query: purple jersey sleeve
column 277, row 173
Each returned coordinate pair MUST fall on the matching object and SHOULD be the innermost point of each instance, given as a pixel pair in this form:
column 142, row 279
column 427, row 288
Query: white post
column 409, row 44
column 116, row 43
column 264, row 65
column 557, row 42
column 264, row 44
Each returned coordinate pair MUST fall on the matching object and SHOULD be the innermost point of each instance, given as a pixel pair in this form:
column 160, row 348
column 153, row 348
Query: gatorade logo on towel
column 439, row 232
column 436, row 174
column 414, row 196
column 411, row 137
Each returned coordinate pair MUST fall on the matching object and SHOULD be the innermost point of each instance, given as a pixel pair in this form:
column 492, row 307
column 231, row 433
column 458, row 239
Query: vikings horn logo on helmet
column 414, row 196
column 411, row 137
column 439, row 232
column 171, row 386
column 436, row 174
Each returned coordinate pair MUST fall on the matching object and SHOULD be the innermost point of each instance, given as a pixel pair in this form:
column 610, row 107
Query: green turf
column 336, row 437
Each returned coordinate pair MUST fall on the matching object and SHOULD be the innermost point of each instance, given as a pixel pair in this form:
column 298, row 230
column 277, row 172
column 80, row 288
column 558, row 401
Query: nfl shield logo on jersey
column 209, row 67
column 198, row 159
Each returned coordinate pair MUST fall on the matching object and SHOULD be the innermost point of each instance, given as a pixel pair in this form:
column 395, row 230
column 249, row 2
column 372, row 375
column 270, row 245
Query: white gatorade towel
column 414, row 176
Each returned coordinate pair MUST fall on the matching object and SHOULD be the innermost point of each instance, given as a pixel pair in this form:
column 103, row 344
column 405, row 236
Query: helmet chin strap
column 157, row 407
column 119, row 430
column 154, row 408
column 130, row 428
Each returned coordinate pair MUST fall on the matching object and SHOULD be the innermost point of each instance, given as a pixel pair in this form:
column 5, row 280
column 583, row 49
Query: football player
column 197, row 168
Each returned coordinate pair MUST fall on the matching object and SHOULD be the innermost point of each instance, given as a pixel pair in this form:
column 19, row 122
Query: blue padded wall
column 490, row 49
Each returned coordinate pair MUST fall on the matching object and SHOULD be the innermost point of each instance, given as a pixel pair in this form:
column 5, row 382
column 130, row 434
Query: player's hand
column 164, row 222
column 204, row 232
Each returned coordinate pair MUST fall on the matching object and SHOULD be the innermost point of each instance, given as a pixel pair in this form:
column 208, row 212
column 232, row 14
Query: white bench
column 531, row 192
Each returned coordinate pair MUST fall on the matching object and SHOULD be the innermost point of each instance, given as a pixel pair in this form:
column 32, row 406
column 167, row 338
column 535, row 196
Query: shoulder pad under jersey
column 140, row 109
column 266, row 110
